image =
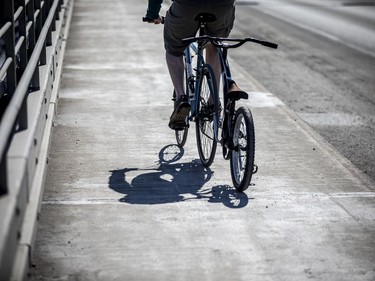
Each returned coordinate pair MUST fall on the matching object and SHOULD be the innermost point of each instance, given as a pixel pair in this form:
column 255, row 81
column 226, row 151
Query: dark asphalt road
column 323, row 70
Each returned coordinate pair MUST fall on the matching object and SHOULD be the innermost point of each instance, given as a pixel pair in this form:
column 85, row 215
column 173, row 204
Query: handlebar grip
column 269, row 44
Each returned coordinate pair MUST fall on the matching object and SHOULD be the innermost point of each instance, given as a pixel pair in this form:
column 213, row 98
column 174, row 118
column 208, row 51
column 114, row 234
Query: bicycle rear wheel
column 207, row 116
column 181, row 136
column 242, row 156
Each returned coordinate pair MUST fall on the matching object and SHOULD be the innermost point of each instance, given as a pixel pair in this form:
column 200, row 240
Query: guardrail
column 32, row 44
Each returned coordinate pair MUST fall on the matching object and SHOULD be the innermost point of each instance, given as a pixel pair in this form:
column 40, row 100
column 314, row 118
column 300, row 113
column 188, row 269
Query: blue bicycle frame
column 192, row 87
column 192, row 80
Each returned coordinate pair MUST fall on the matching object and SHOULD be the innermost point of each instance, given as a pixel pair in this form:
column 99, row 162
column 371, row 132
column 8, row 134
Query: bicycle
column 237, row 135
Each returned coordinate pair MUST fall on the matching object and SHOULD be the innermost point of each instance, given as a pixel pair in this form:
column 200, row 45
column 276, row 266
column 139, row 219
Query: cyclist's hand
column 159, row 20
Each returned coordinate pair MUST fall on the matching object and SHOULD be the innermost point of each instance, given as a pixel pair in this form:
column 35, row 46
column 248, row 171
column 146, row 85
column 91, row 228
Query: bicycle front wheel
column 242, row 156
column 207, row 116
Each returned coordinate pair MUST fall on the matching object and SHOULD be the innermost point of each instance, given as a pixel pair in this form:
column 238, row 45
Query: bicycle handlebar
column 218, row 41
column 215, row 40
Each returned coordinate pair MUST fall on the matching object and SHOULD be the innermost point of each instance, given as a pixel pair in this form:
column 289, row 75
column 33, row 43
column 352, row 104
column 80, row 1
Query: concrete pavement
column 122, row 202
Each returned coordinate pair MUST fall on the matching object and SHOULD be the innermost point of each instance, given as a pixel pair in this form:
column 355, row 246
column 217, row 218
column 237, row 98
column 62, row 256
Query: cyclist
column 180, row 23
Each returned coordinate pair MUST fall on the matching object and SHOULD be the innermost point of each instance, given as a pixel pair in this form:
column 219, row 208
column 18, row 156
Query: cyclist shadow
column 170, row 182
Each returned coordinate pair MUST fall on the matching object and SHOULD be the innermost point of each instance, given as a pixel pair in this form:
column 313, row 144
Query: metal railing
column 32, row 33
column 25, row 48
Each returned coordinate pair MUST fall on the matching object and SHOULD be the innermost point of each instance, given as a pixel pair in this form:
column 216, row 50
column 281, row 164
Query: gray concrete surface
column 121, row 202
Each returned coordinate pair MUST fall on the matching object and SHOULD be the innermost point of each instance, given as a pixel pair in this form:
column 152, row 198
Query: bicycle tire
column 207, row 117
column 181, row 135
column 242, row 156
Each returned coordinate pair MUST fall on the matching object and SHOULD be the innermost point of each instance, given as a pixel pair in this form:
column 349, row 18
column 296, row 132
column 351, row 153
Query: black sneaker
column 181, row 111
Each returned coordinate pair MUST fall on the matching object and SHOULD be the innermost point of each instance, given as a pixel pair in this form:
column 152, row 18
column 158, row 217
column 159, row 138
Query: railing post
column 22, row 118
column 22, row 36
column 30, row 10
column 51, row 28
column 41, row 18
column 3, row 176
column 7, row 12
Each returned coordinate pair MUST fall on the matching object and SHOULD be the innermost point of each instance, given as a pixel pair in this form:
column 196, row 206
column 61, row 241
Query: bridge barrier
column 33, row 35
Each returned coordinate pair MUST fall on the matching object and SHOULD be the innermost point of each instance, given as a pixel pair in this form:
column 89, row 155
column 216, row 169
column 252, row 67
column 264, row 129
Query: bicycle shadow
column 170, row 182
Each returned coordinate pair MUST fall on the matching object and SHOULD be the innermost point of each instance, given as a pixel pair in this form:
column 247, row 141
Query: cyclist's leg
column 176, row 71
column 181, row 106
column 213, row 59
column 179, row 24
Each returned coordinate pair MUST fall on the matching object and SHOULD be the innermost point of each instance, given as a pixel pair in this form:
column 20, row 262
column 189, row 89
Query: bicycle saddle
column 205, row 17
column 235, row 93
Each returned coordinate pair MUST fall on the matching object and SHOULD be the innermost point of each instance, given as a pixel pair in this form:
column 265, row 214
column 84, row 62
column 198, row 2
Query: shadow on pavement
column 172, row 182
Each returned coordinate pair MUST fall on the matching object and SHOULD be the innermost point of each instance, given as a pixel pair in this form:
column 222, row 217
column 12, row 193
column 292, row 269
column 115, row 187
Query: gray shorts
column 180, row 21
